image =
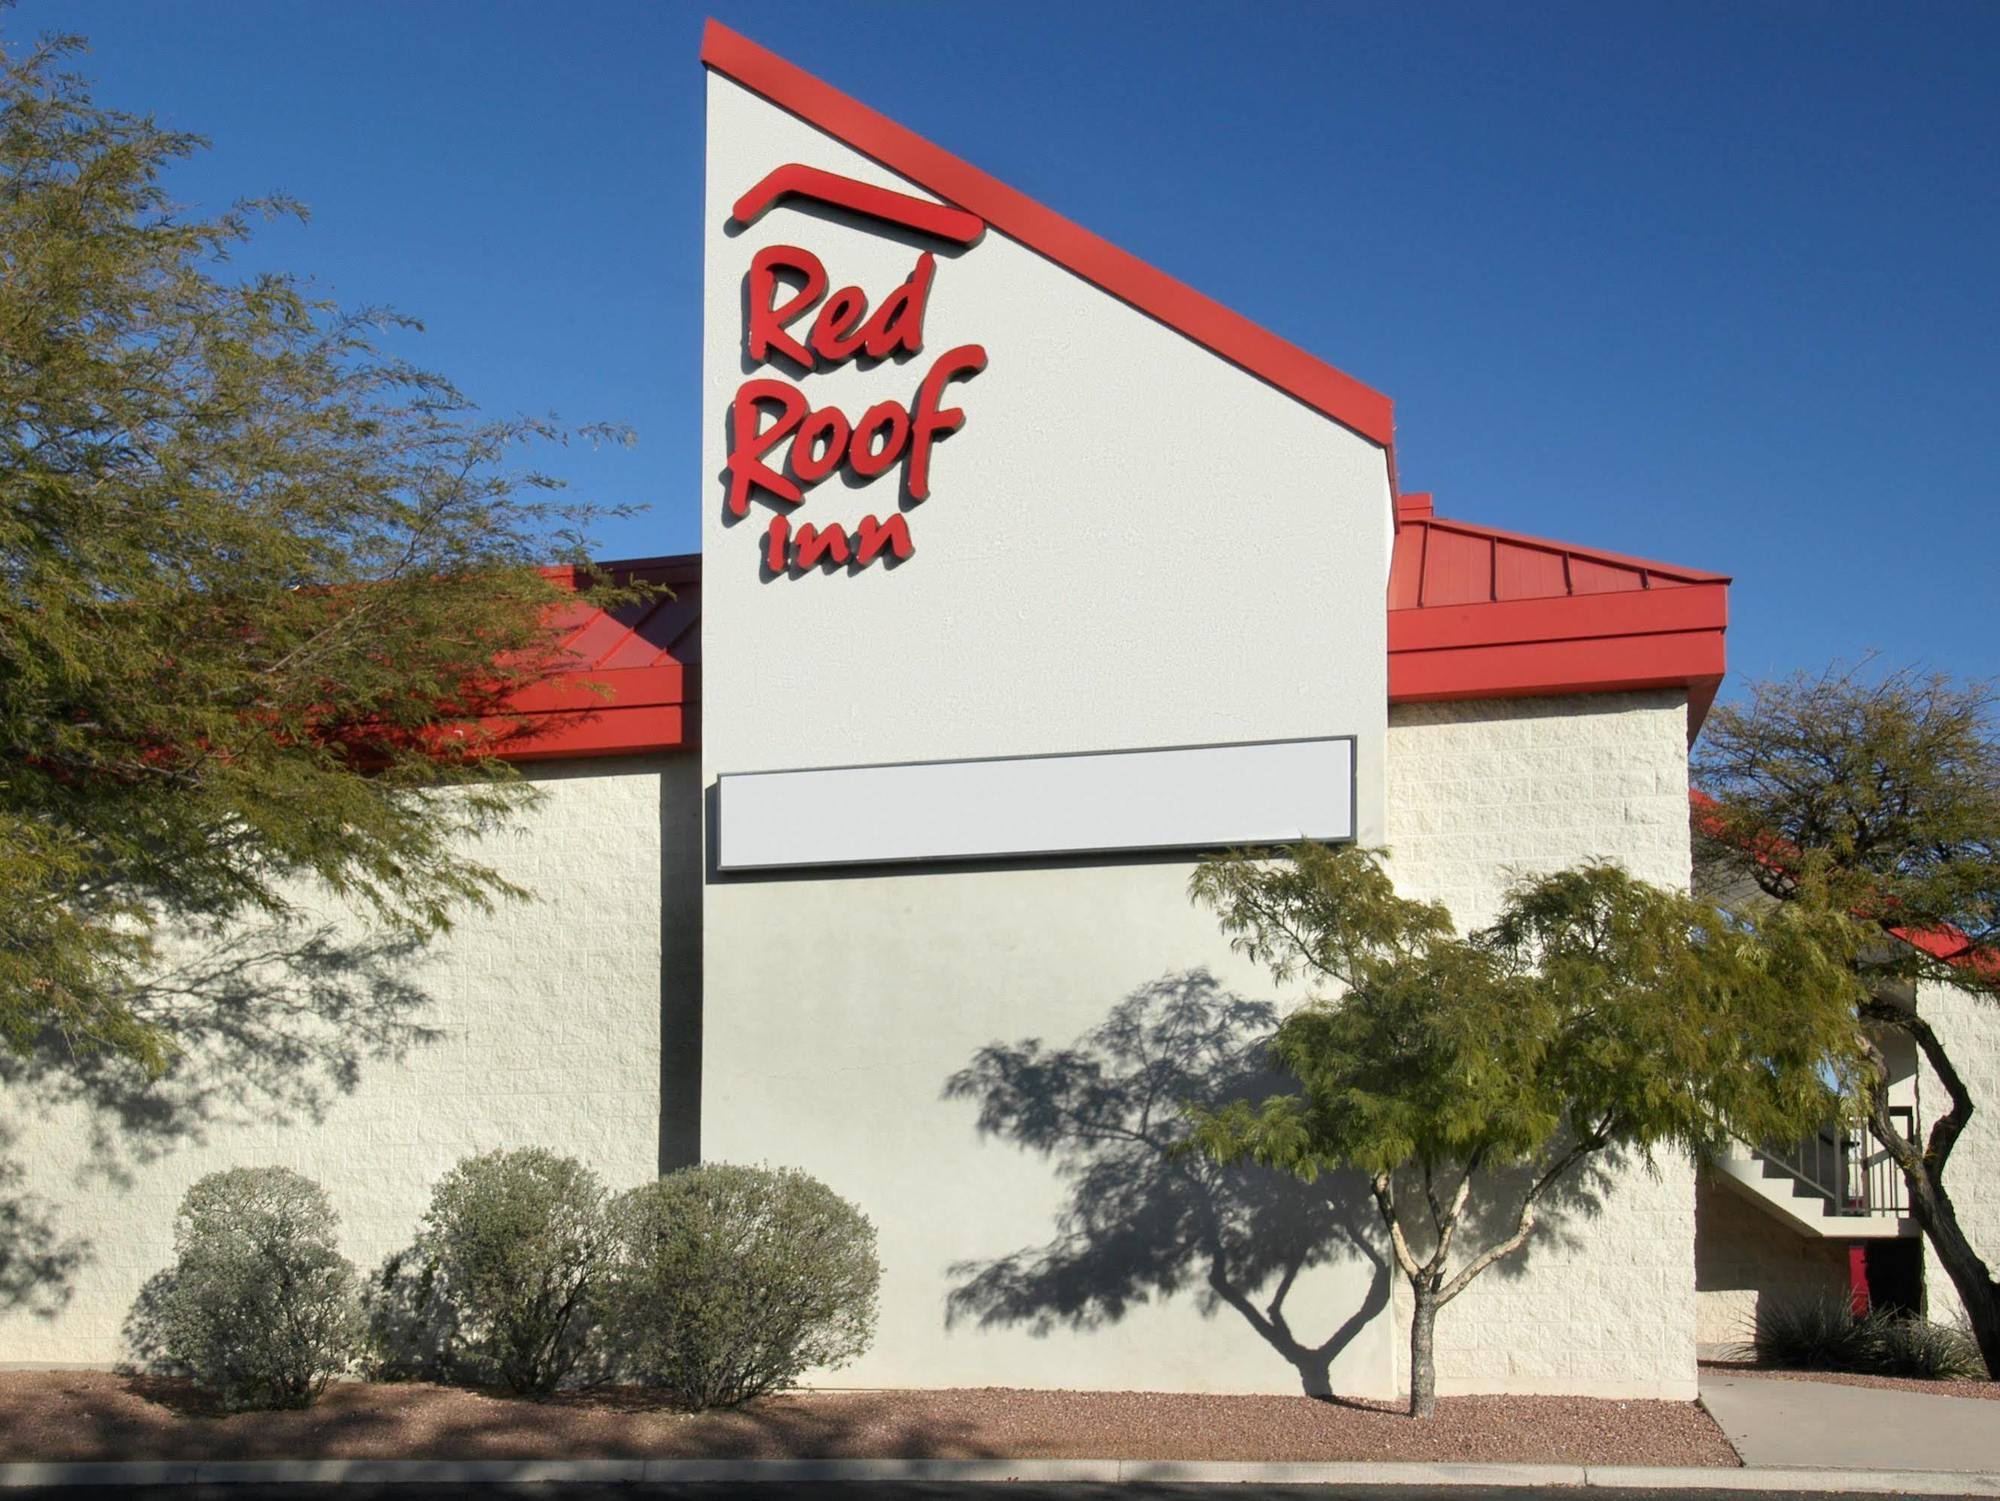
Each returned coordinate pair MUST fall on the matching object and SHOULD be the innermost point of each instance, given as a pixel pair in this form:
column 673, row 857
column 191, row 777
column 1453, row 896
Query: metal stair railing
column 1849, row 1170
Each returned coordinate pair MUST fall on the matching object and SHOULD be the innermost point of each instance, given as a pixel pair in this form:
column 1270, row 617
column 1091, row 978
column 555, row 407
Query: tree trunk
column 1923, row 1167
column 1937, row 1217
column 1423, row 1360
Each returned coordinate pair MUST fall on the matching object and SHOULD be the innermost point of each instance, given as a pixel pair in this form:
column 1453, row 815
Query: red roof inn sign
column 794, row 325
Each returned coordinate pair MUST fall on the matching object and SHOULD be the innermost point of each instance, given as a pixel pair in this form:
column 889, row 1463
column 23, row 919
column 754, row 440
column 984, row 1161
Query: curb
column 1047, row 1471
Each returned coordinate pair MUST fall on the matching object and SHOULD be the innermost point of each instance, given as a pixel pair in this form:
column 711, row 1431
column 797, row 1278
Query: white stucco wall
column 1969, row 1028
column 536, row 1024
column 868, row 992
column 1606, row 1305
column 1130, row 543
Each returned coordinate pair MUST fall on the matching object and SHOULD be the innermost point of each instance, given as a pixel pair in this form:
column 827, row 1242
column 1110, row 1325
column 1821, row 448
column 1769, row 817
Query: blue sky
column 1713, row 283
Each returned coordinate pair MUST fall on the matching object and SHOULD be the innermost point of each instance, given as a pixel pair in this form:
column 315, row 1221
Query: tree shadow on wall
column 37, row 1260
column 1144, row 1219
column 271, row 1025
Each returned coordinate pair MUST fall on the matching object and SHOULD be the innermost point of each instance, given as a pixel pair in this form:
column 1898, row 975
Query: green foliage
column 1597, row 1009
column 1875, row 802
column 1823, row 1334
column 259, row 1307
column 730, row 1282
column 513, row 1245
column 1879, row 796
column 262, row 584
column 1597, row 1012
column 1809, row 1333
column 1929, row 1352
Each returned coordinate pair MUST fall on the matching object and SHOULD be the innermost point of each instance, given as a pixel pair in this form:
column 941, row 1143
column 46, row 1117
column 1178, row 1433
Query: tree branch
column 1524, row 1225
column 1385, row 1201
column 1947, row 1128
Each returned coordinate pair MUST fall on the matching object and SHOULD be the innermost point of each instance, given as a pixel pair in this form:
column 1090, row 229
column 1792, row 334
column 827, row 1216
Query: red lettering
column 899, row 322
column 767, row 320
column 777, row 543
column 815, row 545
column 887, row 418
column 748, row 443
column 833, row 331
column 872, row 536
column 929, row 421
column 809, row 462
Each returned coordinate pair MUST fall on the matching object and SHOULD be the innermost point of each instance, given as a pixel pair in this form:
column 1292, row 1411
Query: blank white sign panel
column 1199, row 797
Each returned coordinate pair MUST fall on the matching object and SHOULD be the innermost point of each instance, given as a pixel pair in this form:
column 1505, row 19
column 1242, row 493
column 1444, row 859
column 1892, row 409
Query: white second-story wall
column 1969, row 1027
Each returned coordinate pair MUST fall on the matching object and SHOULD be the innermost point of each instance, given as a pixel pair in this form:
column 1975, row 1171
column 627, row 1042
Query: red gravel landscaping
column 52, row 1415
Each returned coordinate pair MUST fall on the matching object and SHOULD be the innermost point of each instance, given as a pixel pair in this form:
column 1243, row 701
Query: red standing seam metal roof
column 1475, row 612
column 632, row 676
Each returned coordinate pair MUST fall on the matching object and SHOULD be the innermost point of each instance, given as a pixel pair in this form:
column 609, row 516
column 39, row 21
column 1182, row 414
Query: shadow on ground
column 97, row 1415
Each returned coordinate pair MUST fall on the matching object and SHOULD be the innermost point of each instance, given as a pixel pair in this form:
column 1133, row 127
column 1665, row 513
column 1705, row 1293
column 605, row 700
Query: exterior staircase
column 1839, row 1184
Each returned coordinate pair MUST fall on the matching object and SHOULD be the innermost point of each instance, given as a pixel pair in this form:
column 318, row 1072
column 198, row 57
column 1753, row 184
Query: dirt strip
column 74, row 1415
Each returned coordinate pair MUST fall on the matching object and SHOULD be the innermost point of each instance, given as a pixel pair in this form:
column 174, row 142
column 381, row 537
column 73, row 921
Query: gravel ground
column 53, row 1415
column 1989, row 1390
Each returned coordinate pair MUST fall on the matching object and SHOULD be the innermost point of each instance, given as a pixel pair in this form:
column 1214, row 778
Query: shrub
column 412, row 1333
column 1824, row 1334
column 514, row 1243
column 259, row 1307
column 1934, row 1352
column 729, row 1282
column 1811, row 1333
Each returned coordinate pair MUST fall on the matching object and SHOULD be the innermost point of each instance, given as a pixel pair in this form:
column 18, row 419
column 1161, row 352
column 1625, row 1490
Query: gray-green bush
column 1823, row 1333
column 514, row 1243
column 259, row 1307
column 729, row 1282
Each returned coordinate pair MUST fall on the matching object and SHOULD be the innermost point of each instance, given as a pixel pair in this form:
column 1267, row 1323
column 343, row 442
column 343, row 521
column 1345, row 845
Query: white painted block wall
column 1601, row 1306
column 536, row 1024
column 1969, row 1028
column 1744, row 1256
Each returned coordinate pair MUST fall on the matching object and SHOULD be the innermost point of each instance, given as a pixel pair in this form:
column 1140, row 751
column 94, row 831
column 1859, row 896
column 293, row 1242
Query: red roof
column 1479, row 613
column 633, row 683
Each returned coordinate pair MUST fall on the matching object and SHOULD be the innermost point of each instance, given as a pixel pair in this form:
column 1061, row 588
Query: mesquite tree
column 1470, row 1077
column 1879, row 798
column 263, row 586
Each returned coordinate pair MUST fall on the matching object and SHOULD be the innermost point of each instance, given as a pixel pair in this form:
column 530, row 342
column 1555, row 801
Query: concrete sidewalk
column 1826, row 1425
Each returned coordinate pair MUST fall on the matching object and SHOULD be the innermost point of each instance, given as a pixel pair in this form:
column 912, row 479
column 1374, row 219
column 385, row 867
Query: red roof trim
column 606, row 731
column 1666, row 630
column 1210, row 324
column 1565, row 617
column 636, row 686
column 1579, row 620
